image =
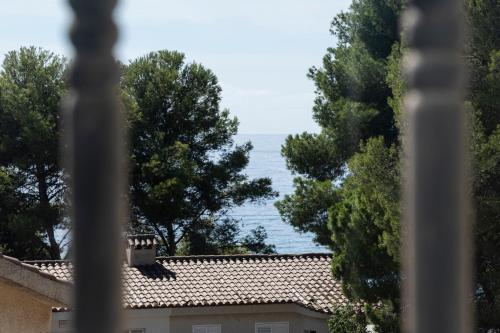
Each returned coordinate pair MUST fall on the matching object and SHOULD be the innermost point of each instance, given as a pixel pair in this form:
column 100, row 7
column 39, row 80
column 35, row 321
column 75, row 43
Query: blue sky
column 259, row 49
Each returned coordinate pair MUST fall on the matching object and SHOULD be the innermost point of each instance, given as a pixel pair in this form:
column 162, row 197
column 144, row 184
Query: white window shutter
column 206, row 329
column 264, row 329
column 272, row 328
column 199, row 329
column 213, row 329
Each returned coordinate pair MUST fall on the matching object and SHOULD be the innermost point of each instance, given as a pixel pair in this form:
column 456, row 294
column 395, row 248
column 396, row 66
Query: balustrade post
column 436, row 275
column 94, row 137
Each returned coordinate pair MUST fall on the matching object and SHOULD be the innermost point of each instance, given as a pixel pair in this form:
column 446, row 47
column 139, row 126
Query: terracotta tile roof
column 225, row 280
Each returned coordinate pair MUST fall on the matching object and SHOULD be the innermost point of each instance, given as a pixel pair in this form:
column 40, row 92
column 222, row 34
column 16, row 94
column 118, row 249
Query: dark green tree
column 32, row 82
column 255, row 242
column 483, row 59
column 354, row 169
column 347, row 186
column 351, row 106
column 20, row 235
column 365, row 233
column 347, row 319
column 186, row 171
column 224, row 237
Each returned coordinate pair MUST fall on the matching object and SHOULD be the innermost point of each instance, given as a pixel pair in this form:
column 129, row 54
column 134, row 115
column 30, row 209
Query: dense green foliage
column 224, row 238
column 186, row 172
column 32, row 82
column 364, row 223
column 484, row 68
column 348, row 190
column 347, row 319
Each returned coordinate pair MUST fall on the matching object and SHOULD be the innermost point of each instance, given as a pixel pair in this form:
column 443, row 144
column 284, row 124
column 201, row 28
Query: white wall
column 245, row 323
column 242, row 318
column 238, row 318
column 153, row 320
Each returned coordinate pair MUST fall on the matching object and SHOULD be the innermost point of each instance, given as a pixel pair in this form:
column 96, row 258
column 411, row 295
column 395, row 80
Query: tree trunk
column 171, row 246
column 47, row 217
column 55, row 252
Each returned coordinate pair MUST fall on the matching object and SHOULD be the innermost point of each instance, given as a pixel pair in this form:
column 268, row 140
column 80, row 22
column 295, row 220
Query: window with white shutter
column 272, row 328
column 264, row 329
column 206, row 329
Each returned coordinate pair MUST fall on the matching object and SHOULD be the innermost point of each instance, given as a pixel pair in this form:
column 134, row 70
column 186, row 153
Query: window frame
column 218, row 327
column 271, row 323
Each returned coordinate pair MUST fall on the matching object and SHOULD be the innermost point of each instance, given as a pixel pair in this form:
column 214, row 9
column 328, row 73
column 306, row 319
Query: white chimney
column 141, row 250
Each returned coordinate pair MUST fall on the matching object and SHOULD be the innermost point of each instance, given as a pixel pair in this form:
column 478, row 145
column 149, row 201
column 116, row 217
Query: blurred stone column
column 94, row 137
column 436, row 274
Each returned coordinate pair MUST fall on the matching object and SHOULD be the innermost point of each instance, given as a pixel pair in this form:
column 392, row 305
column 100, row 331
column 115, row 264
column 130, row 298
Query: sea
column 266, row 161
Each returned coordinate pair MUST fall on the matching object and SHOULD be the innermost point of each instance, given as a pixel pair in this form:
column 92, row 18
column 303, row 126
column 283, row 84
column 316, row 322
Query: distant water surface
column 266, row 161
